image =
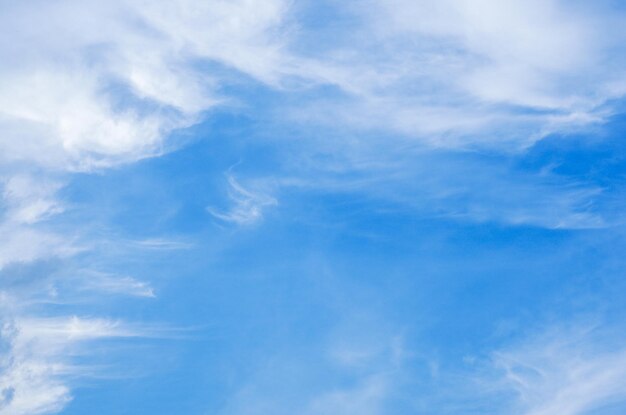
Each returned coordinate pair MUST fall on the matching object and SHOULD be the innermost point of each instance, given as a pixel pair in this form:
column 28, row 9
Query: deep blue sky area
column 241, row 300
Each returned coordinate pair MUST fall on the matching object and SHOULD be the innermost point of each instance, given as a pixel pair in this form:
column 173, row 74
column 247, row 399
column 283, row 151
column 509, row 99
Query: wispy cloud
column 570, row 371
column 28, row 202
column 363, row 348
column 162, row 244
column 449, row 74
column 115, row 284
column 35, row 362
column 93, row 85
column 459, row 74
column 247, row 206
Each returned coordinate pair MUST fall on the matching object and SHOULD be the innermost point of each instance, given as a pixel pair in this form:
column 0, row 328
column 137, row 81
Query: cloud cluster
column 457, row 73
column 91, row 83
column 34, row 364
column 568, row 372
column 88, row 84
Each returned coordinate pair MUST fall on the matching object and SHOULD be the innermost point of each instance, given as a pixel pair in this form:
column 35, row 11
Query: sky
column 312, row 207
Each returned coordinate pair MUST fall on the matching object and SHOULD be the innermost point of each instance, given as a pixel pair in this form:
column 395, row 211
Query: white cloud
column 90, row 85
column 102, row 283
column 565, row 372
column 247, row 207
column 27, row 201
column 35, row 366
column 95, row 83
column 515, row 51
column 457, row 72
column 161, row 244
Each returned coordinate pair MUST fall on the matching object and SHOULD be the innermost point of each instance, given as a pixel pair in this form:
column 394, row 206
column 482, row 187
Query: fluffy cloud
column 92, row 84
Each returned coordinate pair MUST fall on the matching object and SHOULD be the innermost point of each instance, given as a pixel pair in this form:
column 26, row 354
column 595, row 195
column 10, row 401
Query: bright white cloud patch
column 34, row 364
column 456, row 72
column 92, row 83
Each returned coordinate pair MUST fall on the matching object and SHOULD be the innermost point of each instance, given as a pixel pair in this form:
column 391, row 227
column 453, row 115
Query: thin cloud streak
column 247, row 207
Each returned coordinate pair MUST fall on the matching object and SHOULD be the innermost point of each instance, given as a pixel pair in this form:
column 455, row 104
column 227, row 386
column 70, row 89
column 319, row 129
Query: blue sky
column 312, row 207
